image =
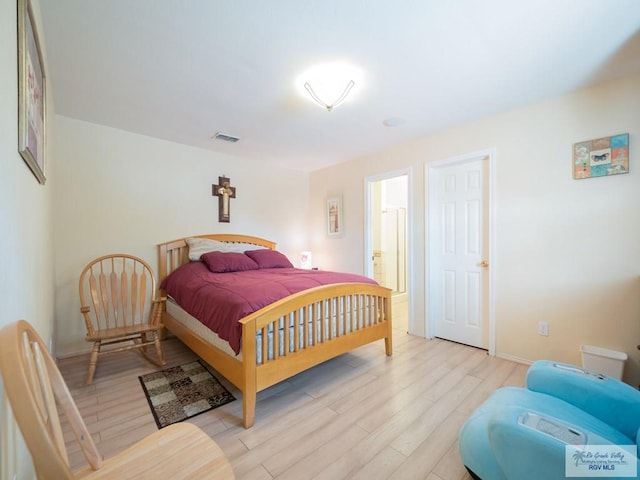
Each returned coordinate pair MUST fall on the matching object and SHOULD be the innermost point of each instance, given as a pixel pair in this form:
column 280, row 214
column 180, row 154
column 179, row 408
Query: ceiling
column 182, row 70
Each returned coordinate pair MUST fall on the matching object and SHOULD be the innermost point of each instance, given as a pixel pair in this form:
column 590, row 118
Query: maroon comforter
column 219, row 300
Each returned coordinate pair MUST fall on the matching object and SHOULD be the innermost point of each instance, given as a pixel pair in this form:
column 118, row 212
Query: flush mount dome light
column 329, row 84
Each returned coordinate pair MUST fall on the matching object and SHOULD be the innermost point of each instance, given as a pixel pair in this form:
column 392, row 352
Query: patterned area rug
column 182, row 392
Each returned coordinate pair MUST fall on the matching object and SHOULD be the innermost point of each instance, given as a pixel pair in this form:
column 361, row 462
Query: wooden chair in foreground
column 119, row 305
column 34, row 386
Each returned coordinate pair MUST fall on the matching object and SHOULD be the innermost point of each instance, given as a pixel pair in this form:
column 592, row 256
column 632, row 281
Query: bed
column 285, row 337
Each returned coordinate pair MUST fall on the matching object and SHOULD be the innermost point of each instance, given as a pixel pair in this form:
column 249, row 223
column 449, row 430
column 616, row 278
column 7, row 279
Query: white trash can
column 601, row 360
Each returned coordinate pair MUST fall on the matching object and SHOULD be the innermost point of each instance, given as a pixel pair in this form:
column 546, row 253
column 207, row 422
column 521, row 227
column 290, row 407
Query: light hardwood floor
column 359, row 416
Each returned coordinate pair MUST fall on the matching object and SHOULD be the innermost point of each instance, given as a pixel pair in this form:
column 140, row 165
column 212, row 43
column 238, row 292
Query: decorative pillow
column 221, row 262
column 199, row 246
column 266, row 258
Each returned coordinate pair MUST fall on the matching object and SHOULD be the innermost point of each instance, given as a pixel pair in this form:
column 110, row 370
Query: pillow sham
column 221, row 262
column 266, row 258
column 242, row 247
column 199, row 246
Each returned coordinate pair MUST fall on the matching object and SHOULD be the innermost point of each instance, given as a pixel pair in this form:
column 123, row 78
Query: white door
column 458, row 251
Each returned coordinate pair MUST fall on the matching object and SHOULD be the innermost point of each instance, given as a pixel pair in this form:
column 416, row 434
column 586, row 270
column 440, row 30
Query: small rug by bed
column 178, row 393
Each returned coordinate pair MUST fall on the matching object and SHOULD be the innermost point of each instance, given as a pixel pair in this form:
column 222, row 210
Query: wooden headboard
column 175, row 253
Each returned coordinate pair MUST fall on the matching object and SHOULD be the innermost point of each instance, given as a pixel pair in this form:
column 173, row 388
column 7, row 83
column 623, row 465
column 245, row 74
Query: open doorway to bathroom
column 387, row 235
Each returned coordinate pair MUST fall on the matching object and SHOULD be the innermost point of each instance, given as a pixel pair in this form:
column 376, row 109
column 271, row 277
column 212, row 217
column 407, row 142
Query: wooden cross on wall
column 225, row 192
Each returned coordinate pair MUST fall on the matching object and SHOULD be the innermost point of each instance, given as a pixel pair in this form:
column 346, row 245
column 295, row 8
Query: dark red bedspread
column 219, row 300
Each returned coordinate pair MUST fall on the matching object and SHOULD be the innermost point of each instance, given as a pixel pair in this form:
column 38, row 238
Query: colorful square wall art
column 601, row 157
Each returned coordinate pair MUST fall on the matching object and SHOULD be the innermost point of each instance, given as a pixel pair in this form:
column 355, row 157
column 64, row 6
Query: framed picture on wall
column 601, row 157
column 334, row 216
column 31, row 93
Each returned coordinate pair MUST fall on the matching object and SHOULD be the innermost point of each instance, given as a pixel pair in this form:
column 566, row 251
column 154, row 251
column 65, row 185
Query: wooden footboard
column 290, row 335
column 308, row 328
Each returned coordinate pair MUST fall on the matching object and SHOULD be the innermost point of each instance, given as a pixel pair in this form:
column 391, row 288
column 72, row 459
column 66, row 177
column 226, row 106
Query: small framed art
column 334, row 216
column 601, row 157
column 31, row 93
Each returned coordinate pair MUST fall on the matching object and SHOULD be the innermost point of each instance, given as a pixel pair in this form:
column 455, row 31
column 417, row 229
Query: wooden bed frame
column 366, row 317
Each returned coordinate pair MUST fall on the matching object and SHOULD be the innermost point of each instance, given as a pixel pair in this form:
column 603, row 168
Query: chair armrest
column 521, row 434
column 606, row 398
column 530, row 445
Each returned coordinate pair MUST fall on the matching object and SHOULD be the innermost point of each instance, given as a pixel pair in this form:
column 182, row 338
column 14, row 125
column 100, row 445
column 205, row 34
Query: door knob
column 484, row 264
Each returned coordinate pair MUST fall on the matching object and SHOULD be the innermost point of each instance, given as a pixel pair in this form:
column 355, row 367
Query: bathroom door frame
column 368, row 233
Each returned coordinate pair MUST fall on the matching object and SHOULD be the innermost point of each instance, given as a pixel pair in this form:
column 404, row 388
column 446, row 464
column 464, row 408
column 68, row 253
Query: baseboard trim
column 513, row 358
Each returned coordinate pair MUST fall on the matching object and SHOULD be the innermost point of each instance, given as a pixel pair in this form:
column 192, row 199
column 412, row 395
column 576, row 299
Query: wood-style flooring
column 359, row 416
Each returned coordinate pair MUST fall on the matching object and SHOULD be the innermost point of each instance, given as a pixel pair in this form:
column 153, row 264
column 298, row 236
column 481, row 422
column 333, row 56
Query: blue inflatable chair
column 523, row 433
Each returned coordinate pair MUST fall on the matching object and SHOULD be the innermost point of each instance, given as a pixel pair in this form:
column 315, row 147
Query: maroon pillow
column 266, row 258
column 221, row 262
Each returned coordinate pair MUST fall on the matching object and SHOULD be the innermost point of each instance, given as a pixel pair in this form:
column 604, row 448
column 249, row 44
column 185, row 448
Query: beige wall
column 567, row 251
column 122, row 192
column 26, row 282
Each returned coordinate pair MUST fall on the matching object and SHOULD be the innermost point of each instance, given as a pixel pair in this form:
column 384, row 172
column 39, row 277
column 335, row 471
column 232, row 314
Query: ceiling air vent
column 225, row 137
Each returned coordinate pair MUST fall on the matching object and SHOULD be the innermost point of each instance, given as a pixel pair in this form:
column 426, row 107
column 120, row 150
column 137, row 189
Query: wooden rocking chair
column 119, row 305
column 36, row 390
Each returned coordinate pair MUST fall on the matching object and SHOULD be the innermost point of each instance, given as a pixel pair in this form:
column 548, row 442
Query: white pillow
column 242, row 247
column 200, row 246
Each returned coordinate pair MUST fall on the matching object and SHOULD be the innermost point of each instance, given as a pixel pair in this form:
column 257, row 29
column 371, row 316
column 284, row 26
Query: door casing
column 368, row 232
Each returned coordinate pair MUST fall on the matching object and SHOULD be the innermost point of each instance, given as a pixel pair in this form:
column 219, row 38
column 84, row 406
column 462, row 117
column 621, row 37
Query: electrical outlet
column 543, row 329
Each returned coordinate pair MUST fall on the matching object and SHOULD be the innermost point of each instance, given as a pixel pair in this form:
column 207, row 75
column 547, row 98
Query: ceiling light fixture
column 329, row 84
column 322, row 103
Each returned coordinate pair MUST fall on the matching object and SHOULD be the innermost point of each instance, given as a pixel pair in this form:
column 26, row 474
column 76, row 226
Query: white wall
column 567, row 251
column 26, row 282
column 122, row 192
